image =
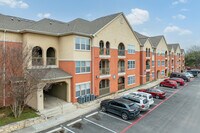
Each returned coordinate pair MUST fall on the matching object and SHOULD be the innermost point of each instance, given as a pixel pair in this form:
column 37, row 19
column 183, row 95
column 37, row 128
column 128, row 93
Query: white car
column 189, row 75
column 148, row 96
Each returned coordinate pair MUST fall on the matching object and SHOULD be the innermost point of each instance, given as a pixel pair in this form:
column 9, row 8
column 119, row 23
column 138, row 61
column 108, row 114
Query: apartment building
column 84, row 57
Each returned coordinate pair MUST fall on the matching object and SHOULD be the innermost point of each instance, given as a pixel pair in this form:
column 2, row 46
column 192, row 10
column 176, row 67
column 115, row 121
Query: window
column 163, row 63
column 82, row 43
column 82, row 66
column 131, row 64
column 153, row 63
column 82, row 89
column 131, row 80
column 163, row 72
column 158, row 63
column 131, row 49
column 153, row 74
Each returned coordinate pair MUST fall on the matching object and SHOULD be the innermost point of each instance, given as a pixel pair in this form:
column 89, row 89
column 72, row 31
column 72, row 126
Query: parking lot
column 101, row 122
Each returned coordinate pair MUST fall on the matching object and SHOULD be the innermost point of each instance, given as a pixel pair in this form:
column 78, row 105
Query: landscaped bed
column 6, row 116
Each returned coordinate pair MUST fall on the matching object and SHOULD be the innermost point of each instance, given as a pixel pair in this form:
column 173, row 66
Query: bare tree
column 22, row 82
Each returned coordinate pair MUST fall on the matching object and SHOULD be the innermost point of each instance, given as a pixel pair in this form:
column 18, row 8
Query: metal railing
column 104, row 71
column 121, row 69
column 103, row 91
column 37, row 61
column 121, row 52
column 147, row 67
column 51, row 61
column 101, row 51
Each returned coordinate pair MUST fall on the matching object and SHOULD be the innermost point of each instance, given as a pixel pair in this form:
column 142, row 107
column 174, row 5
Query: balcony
column 101, row 51
column 51, row 61
column 103, row 91
column 104, row 71
column 121, row 52
column 147, row 67
column 107, row 51
column 121, row 69
column 37, row 61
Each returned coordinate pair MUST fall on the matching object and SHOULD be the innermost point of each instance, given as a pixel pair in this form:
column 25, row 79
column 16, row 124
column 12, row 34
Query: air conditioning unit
column 87, row 98
column 92, row 97
column 81, row 99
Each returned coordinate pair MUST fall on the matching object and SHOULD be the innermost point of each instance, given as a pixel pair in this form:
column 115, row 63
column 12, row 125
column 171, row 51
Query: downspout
column 4, row 68
column 93, row 90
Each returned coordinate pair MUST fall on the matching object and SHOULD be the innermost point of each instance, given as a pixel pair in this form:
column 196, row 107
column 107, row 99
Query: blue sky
column 178, row 20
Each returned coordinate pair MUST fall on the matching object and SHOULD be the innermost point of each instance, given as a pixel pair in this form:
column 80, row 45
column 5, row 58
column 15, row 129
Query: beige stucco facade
column 162, row 46
column 122, row 31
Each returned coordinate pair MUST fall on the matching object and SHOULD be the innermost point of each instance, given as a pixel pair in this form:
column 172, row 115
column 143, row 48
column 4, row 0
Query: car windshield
column 144, row 96
column 132, row 106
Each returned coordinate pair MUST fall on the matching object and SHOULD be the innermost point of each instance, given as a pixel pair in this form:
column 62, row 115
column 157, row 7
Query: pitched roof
column 169, row 47
column 175, row 46
column 54, row 27
column 50, row 74
column 14, row 23
column 142, row 38
column 155, row 40
column 182, row 51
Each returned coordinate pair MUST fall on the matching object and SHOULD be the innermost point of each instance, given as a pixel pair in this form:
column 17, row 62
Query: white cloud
column 179, row 1
column 138, row 16
column 158, row 19
column 14, row 3
column 184, row 10
column 43, row 15
column 176, row 29
column 179, row 16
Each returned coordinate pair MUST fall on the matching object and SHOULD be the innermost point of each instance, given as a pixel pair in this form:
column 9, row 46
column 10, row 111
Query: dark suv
column 122, row 107
column 179, row 75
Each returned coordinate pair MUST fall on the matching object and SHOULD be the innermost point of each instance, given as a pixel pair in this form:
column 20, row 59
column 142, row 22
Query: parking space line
column 135, row 122
column 115, row 117
column 100, row 125
column 74, row 122
column 92, row 114
column 68, row 129
column 54, row 130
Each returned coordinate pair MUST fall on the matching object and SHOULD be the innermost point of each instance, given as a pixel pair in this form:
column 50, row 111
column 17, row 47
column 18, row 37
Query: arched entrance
column 104, row 87
column 121, row 83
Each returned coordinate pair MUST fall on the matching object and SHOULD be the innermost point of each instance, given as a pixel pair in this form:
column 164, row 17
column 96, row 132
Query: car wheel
column 174, row 87
column 161, row 85
column 103, row 109
column 124, row 116
column 157, row 97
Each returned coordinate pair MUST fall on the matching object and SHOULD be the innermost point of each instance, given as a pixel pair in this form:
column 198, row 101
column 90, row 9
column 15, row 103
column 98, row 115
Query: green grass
column 9, row 118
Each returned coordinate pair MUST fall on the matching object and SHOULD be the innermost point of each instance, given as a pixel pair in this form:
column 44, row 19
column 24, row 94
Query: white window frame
column 134, row 64
column 134, row 79
column 84, row 67
column 80, row 42
column 87, row 87
column 132, row 50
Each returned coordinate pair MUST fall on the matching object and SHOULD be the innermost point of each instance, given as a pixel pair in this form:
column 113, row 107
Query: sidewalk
column 81, row 110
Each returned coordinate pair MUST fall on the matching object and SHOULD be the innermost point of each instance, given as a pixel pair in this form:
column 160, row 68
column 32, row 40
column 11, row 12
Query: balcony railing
column 121, row 69
column 147, row 78
column 121, row 52
column 107, row 51
column 103, row 91
column 147, row 67
column 51, row 61
column 101, row 51
column 37, row 61
column 121, row 86
column 147, row 54
column 104, row 71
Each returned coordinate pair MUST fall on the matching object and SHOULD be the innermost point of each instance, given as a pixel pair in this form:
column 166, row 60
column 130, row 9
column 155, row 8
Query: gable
column 118, row 31
column 162, row 46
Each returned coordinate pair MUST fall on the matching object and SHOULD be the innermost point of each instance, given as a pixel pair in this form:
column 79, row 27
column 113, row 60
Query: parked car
column 154, row 92
column 140, row 101
column 169, row 83
column 180, row 81
column 189, row 75
column 193, row 72
column 122, row 107
column 148, row 96
column 179, row 75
